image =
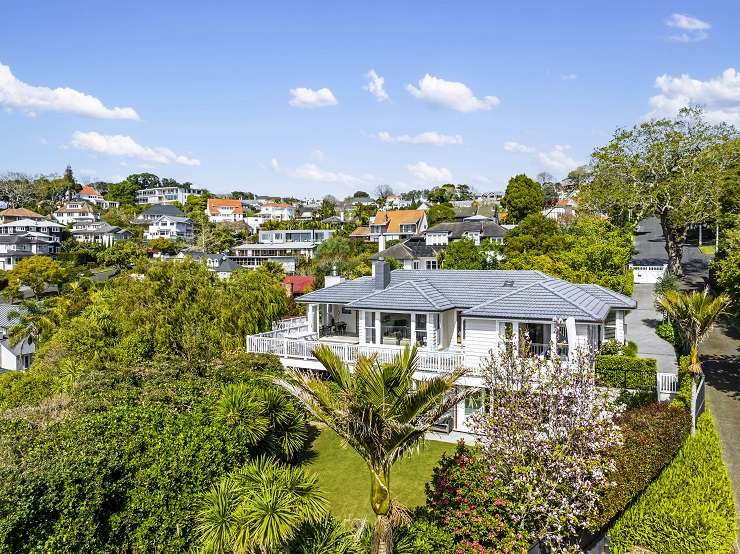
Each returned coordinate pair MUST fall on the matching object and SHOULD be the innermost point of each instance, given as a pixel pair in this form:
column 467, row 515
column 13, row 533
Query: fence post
column 693, row 405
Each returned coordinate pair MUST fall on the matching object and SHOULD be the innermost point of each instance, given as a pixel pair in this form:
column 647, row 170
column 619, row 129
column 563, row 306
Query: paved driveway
column 641, row 325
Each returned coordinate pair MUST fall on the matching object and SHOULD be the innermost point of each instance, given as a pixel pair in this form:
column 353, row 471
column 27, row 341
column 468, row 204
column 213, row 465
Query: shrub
column 667, row 332
column 611, row 347
column 652, row 435
column 630, row 350
column 689, row 507
column 424, row 537
column 464, row 499
column 626, row 373
column 683, row 396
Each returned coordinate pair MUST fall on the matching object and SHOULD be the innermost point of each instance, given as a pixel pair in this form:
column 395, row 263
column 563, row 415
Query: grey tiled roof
column 495, row 293
column 6, row 309
column 228, row 266
column 410, row 249
column 487, row 229
column 413, row 295
column 163, row 209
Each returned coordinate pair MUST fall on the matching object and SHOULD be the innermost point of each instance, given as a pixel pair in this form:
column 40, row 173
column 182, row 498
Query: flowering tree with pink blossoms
column 547, row 433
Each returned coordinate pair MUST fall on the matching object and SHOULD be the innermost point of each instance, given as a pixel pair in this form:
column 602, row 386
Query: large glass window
column 370, row 327
column 475, row 402
column 395, row 329
column 421, row 329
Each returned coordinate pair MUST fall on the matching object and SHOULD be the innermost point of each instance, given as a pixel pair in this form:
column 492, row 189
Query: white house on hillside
column 279, row 211
column 99, row 232
column 20, row 355
column 220, row 210
column 170, row 227
column 75, row 211
column 165, row 195
column 455, row 318
column 285, row 247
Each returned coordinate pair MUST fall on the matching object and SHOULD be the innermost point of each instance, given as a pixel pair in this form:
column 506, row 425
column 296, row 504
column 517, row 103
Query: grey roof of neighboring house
column 103, row 229
column 487, row 229
column 176, row 219
column 228, row 266
column 163, row 209
column 103, row 275
column 332, row 220
column 494, row 293
column 411, row 249
column 297, row 245
column 5, row 310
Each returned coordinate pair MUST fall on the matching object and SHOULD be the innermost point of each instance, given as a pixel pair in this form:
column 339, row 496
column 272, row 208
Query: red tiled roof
column 215, row 203
column 360, row 232
column 299, row 283
column 394, row 218
column 89, row 191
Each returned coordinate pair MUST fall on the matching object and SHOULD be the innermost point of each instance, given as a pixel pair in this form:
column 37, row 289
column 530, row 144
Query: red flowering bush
column 464, row 498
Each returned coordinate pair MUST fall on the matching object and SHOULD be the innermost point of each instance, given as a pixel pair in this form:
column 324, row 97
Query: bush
column 613, row 347
column 683, row 396
column 423, row 537
column 689, row 507
column 626, row 373
column 630, row 350
column 464, row 499
column 653, row 434
column 667, row 332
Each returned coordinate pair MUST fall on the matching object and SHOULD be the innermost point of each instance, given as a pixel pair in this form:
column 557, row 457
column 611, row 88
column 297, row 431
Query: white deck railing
column 301, row 349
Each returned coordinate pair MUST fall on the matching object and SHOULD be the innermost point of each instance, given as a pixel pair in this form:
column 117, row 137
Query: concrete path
column 641, row 324
column 721, row 363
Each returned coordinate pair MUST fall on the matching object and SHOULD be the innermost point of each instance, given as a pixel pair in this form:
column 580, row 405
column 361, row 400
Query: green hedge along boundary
column 626, row 373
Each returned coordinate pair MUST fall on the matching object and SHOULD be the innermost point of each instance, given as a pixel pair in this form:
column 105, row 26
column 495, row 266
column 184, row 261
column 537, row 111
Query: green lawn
column 345, row 479
column 708, row 249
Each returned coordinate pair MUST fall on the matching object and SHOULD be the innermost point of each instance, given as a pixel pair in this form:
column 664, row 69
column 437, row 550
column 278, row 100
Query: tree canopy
column 440, row 212
column 523, row 197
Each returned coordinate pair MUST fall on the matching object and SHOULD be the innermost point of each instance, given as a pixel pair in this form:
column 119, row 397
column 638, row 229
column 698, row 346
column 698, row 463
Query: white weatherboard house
column 455, row 317
column 19, row 355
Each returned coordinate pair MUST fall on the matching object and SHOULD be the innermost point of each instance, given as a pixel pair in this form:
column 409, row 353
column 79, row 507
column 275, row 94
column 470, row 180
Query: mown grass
column 345, row 479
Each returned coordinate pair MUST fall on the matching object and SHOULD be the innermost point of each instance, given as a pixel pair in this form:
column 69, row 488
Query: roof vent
column 509, row 284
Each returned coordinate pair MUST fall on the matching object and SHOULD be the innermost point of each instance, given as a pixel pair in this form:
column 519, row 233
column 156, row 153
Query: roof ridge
column 525, row 287
column 424, row 294
column 553, row 279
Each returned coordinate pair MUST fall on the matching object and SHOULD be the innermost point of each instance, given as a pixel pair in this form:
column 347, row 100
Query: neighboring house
column 413, row 253
column 34, row 226
column 226, row 268
column 99, row 232
column 397, row 225
column 16, row 357
column 91, row 195
column 14, row 214
column 395, row 202
column 476, row 230
column 332, row 220
column 455, row 318
column 308, row 211
column 220, row 210
column 564, row 208
column 74, row 212
column 212, row 261
column 278, row 211
column 298, row 285
column 360, row 233
column 13, row 248
column 285, row 247
column 170, row 227
column 165, row 195
column 155, row 212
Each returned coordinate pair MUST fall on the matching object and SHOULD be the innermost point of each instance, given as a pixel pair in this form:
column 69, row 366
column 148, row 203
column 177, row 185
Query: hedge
column 689, row 508
column 653, row 434
column 666, row 331
column 626, row 373
column 683, row 396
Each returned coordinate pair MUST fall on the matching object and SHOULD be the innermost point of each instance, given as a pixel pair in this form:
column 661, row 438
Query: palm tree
column 694, row 313
column 258, row 508
column 380, row 412
column 34, row 319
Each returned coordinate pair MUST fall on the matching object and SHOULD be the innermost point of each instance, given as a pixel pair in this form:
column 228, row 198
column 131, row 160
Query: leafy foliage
column 35, row 272
column 653, row 434
column 666, row 331
column 626, row 372
column 689, row 507
column 123, row 254
column 464, row 254
column 523, row 197
column 439, row 213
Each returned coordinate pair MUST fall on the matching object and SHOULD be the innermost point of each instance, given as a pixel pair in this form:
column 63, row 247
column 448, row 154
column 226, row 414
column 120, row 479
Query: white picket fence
column 667, row 386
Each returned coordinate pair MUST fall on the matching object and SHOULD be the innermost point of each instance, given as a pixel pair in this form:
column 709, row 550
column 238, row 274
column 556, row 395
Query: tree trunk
column 380, row 499
column 674, row 238
column 382, row 542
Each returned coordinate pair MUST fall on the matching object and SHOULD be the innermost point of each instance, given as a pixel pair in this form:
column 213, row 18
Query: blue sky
column 476, row 91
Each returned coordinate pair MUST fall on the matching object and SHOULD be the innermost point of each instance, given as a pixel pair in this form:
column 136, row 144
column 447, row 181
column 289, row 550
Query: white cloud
column 511, row 146
column 450, row 94
column 428, row 137
column 689, row 29
column 309, row 98
column 558, row 160
column 313, row 173
column 719, row 96
column 569, row 76
column 375, row 86
column 318, row 155
column 17, row 95
column 125, row 147
column 426, row 172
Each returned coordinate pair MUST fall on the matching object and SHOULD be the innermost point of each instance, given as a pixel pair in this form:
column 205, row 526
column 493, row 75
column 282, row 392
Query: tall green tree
column 380, row 412
column 122, row 254
column 439, row 213
column 464, row 254
column 669, row 168
column 523, row 197
column 35, row 272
